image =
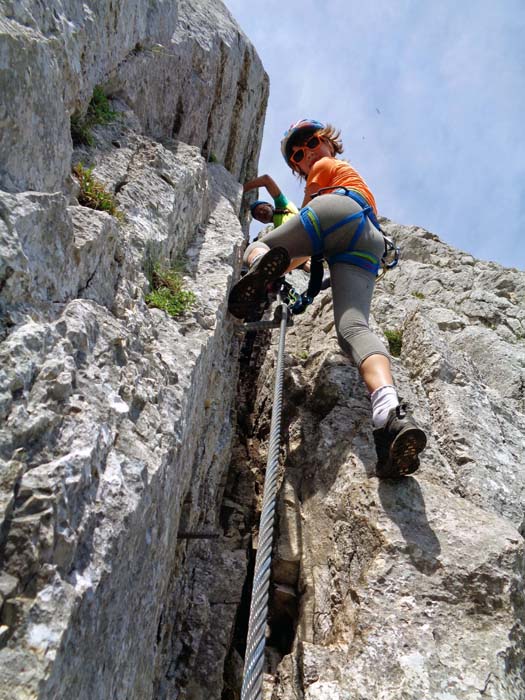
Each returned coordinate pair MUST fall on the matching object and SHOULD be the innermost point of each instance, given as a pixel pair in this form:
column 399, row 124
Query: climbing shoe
column 252, row 290
column 398, row 444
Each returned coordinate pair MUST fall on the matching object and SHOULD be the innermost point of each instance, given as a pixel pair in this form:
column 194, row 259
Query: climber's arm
column 263, row 181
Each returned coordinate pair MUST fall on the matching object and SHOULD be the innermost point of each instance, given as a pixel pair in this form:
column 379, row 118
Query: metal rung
column 275, row 322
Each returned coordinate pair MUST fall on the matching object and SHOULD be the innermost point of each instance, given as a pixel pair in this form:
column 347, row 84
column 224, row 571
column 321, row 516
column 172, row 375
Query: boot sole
column 404, row 451
column 252, row 288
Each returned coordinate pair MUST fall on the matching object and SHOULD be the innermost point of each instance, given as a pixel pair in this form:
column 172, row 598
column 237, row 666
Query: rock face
column 116, row 428
column 184, row 68
column 414, row 588
column 131, row 472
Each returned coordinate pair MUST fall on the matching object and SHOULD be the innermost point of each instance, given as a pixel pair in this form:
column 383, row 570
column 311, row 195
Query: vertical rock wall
column 116, row 419
column 123, row 564
column 183, row 67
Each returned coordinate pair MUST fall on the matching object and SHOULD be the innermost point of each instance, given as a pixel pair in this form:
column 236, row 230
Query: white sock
column 255, row 260
column 383, row 399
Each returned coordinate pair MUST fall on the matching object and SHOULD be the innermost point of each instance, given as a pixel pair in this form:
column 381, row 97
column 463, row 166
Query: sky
column 430, row 100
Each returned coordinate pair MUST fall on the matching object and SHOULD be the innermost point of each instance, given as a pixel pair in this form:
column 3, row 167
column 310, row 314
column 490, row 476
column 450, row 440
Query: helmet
column 255, row 204
column 296, row 132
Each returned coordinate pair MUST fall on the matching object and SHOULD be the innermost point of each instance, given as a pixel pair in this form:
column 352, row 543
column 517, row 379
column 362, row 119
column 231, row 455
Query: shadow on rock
column 404, row 504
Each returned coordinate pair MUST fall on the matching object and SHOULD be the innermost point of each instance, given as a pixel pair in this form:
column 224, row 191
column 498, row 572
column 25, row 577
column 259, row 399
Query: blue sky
column 430, row 100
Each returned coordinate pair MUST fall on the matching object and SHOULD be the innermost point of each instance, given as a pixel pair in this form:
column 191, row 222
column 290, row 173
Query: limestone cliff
column 131, row 470
column 116, row 424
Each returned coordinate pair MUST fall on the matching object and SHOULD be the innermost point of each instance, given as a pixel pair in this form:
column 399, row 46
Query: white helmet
column 296, row 132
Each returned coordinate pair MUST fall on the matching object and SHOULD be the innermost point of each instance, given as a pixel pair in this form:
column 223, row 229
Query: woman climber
column 338, row 220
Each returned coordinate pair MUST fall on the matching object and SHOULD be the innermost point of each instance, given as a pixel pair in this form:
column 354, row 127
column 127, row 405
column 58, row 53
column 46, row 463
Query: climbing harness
column 367, row 261
column 362, row 259
column 254, row 659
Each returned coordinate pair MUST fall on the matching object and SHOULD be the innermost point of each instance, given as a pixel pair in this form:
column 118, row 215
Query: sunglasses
column 298, row 154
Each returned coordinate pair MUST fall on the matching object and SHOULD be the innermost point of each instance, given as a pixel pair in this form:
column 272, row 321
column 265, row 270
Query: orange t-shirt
column 332, row 172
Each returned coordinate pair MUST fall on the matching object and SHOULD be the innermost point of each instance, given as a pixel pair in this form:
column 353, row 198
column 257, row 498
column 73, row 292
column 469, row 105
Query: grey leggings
column 352, row 286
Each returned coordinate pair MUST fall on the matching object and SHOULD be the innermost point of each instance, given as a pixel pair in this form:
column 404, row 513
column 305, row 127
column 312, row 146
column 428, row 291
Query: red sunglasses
column 298, row 154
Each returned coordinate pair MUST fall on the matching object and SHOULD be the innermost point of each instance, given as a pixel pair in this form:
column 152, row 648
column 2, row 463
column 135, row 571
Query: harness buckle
column 391, row 254
column 390, row 257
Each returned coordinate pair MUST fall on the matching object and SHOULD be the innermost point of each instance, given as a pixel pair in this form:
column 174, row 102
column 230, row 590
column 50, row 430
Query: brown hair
column 330, row 135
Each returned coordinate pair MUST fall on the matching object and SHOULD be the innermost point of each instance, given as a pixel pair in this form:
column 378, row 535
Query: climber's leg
column 252, row 289
column 352, row 289
column 398, row 438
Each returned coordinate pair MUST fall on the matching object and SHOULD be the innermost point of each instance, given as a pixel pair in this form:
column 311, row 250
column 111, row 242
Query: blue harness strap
column 313, row 228
column 310, row 220
column 366, row 261
column 357, row 197
column 360, row 258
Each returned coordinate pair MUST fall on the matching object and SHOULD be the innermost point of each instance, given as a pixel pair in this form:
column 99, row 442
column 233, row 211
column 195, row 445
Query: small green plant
column 303, row 355
column 80, row 131
column 395, row 342
column 167, row 291
column 212, row 158
column 418, row 295
column 98, row 112
column 93, row 194
column 161, row 50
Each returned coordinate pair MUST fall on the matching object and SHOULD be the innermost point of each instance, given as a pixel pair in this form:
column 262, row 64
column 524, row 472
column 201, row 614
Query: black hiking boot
column 251, row 291
column 398, row 444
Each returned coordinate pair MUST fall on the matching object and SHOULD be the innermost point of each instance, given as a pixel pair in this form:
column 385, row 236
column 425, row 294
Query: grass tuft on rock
column 395, row 342
column 98, row 112
column 168, row 291
column 93, row 193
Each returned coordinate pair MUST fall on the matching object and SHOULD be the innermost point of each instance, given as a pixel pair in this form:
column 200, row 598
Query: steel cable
column 254, row 660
